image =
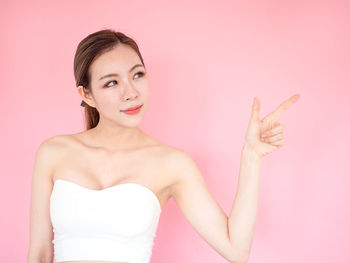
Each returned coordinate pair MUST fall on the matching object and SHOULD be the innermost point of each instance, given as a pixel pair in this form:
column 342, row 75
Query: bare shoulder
column 53, row 144
column 49, row 150
column 46, row 148
column 175, row 156
column 180, row 168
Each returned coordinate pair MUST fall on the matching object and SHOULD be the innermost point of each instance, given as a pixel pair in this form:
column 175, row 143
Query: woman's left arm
column 230, row 236
column 262, row 137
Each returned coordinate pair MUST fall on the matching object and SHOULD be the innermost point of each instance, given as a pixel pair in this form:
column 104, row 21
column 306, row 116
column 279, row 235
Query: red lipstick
column 133, row 110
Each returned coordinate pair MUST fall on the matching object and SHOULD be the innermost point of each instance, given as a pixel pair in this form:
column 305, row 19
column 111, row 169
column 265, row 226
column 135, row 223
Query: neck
column 115, row 138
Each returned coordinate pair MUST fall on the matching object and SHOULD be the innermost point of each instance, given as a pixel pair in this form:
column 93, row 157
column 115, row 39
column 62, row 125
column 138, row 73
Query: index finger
column 282, row 107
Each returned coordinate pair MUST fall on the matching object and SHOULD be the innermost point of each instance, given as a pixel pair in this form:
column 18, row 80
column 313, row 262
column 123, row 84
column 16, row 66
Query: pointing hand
column 264, row 136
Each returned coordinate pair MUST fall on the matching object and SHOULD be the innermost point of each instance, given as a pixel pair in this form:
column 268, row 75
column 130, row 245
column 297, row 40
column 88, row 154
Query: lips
column 133, row 108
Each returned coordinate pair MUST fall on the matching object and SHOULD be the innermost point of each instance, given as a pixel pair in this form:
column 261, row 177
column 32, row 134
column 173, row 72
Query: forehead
column 119, row 59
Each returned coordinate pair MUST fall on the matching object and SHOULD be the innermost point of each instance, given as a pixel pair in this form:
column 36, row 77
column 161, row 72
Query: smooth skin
column 117, row 151
column 230, row 236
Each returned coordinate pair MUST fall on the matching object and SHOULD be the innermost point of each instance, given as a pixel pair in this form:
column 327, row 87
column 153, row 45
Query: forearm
column 241, row 221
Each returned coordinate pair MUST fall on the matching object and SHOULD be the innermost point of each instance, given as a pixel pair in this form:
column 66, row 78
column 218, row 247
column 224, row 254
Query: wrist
column 249, row 151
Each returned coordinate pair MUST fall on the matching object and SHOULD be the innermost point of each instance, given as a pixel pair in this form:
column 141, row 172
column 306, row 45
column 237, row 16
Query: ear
column 86, row 95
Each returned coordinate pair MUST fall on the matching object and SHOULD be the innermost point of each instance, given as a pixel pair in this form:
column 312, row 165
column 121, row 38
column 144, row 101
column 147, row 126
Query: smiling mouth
column 133, row 108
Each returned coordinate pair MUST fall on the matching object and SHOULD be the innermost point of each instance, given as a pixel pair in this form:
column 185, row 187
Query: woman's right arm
column 41, row 234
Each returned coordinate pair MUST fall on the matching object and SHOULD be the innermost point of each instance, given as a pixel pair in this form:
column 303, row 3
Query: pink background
column 206, row 61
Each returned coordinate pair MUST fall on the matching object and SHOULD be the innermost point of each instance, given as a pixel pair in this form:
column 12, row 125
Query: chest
column 126, row 209
column 98, row 171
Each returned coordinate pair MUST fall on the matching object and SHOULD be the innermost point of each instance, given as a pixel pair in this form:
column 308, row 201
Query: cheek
column 108, row 99
column 144, row 91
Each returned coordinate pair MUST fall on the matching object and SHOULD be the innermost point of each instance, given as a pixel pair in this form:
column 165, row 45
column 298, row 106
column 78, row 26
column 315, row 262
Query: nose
column 129, row 92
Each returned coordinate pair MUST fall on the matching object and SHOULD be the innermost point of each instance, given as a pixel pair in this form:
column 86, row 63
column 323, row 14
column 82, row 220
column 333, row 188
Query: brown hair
column 89, row 49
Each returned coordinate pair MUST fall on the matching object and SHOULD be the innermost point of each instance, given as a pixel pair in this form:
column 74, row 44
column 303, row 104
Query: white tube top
column 117, row 223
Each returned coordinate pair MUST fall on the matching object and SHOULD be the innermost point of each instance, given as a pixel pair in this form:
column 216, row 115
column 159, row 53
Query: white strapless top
column 117, row 223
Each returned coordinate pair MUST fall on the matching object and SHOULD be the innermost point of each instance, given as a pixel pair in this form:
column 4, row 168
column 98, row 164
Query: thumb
column 255, row 109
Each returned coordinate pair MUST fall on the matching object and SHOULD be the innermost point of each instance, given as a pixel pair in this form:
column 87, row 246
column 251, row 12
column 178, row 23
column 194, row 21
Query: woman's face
column 119, row 81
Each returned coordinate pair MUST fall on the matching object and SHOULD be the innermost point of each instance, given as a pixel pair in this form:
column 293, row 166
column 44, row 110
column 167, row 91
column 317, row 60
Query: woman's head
column 110, row 76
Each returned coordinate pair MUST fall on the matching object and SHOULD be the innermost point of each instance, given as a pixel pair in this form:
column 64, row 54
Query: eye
column 140, row 72
column 106, row 85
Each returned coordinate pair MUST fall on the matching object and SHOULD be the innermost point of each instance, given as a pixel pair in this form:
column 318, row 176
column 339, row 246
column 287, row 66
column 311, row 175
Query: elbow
column 38, row 258
column 240, row 261
column 239, row 257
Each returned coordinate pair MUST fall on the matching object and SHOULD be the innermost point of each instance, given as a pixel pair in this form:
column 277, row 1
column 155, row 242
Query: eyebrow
column 115, row 74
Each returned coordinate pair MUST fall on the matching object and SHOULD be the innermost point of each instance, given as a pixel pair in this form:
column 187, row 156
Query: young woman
column 97, row 195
